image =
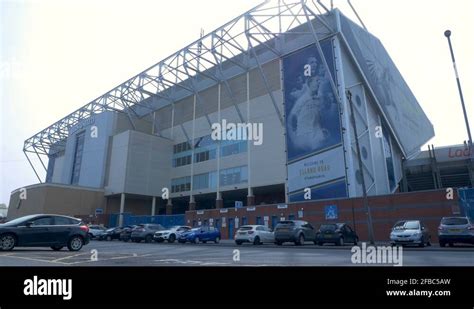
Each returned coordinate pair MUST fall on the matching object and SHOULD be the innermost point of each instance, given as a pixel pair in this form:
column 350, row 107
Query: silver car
column 455, row 230
column 256, row 234
column 145, row 232
column 410, row 232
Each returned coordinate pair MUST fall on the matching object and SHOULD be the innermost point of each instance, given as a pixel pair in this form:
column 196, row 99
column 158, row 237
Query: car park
column 255, row 234
column 296, row 231
column 96, row 230
column 145, row 232
column 43, row 230
column 336, row 233
column 453, row 230
column 408, row 232
column 201, row 234
column 170, row 234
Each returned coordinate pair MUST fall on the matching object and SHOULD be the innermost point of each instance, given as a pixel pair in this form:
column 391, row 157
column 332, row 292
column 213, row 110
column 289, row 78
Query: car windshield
column 286, row 223
column 407, row 225
column 197, row 229
column 245, row 228
column 20, row 220
column 328, row 227
column 454, row 221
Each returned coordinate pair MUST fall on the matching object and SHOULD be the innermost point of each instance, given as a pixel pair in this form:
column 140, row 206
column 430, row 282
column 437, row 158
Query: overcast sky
column 58, row 55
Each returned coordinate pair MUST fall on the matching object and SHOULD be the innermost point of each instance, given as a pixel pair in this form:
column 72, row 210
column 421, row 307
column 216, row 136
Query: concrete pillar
column 250, row 197
column 250, row 200
column 219, row 201
column 153, row 205
column 169, row 207
column 122, row 208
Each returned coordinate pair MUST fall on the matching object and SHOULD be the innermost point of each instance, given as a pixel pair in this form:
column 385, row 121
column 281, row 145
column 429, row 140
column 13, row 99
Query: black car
column 126, row 233
column 336, row 233
column 53, row 231
column 111, row 234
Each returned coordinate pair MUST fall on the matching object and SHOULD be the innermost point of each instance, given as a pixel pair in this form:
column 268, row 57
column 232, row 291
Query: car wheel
column 172, row 238
column 238, row 242
column 196, row 240
column 75, row 243
column 7, row 242
column 217, row 240
column 422, row 243
column 300, row 240
column 148, row 238
column 340, row 242
column 56, row 248
column 256, row 240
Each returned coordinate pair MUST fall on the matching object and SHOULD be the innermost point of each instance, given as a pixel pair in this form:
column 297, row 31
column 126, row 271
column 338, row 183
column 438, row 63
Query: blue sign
column 331, row 212
column 99, row 211
column 239, row 204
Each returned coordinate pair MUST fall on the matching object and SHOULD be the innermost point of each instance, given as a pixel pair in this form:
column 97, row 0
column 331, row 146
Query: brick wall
column 428, row 206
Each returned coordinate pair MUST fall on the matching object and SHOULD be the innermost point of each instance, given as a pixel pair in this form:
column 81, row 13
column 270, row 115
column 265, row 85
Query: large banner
column 313, row 128
column 312, row 114
column 408, row 120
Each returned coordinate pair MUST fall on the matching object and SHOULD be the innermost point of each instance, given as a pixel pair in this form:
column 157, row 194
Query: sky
column 58, row 55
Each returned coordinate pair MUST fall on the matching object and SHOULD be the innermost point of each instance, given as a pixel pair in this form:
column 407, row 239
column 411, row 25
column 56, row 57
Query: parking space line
column 32, row 259
column 68, row 257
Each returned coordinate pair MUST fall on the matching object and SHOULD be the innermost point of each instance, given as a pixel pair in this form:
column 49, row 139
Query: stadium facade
column 317, row 89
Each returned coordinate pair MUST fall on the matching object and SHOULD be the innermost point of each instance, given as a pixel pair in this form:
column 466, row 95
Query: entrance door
column 230, row 225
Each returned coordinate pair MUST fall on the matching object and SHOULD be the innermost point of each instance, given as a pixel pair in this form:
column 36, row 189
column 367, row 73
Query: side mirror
column 29, row 224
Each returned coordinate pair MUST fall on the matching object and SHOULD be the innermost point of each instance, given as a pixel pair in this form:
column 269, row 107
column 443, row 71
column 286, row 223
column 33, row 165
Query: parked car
column 455, row 230
column 201, row 234
column 145, row 232
column 111, row 233
column 407, row 232
column 126, row 233
column 170, row 234
column 296, row 231
column 336, row 233
column 53, row 231
column 256, row 234
column 96, row 230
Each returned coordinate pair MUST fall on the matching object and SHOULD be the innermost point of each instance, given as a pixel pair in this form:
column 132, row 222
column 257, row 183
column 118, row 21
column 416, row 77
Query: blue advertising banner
column 312, row 113
column 313, row 127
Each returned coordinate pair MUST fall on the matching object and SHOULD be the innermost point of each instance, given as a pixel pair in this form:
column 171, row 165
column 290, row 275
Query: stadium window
column 76, row 166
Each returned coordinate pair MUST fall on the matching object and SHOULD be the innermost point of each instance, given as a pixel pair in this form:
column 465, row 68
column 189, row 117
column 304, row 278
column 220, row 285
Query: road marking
column 33, row 259
column 68, row 257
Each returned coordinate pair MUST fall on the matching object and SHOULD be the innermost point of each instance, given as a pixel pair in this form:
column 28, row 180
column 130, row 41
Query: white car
column 170, row 234
column 96, row 230
column 256, row 234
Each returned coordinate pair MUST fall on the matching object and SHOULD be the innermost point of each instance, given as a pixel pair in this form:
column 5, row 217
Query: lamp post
column 447, row 34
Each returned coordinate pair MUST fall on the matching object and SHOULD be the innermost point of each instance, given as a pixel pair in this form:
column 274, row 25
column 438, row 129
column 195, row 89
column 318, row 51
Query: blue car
column 201, row 234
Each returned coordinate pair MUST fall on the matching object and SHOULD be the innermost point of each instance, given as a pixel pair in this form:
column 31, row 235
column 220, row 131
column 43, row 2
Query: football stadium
column 290, row 110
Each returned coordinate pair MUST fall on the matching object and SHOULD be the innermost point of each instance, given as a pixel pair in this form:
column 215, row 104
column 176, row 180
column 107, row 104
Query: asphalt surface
column 117, row 253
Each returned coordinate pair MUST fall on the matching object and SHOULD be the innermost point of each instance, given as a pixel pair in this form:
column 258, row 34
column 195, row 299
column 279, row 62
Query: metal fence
column 466, row 201
column 129, row 219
